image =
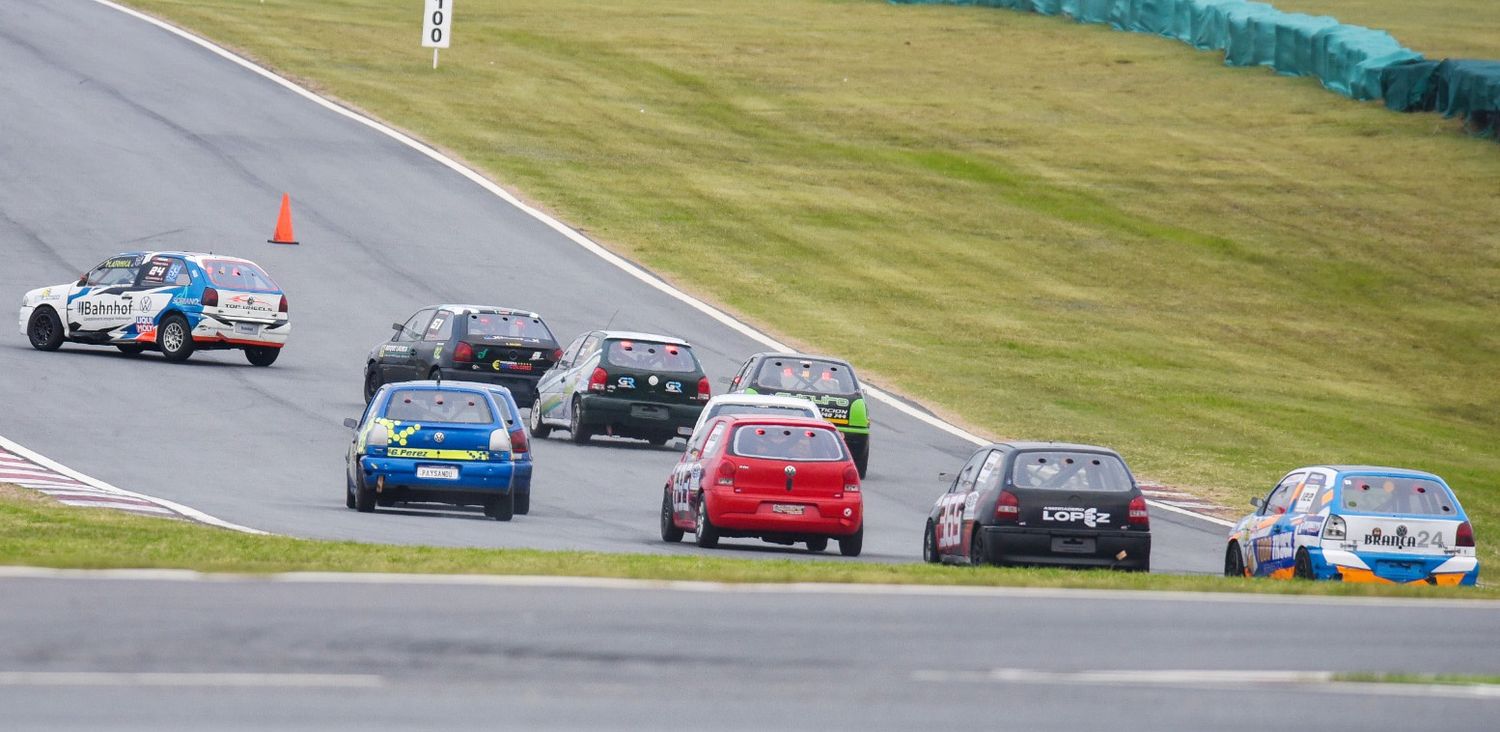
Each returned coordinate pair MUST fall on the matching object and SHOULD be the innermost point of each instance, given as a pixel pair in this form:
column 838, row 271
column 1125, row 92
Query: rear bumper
column 522, row 386
column 212, row 332
column 1007, row 545
column 620, row 416
column 1389, row 568
column 754, row 516
column 496, row 477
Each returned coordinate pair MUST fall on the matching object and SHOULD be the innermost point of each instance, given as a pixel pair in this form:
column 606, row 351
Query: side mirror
column 1257, row 502
column 351, row 423
column 944, row 478
column 398, row 327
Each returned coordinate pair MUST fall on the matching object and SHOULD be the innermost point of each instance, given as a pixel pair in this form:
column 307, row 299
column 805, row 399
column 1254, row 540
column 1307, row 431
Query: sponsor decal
column 398, row 434
column 1091, row 517
column 174, row 271
column 410, row 452
column 262, row 303
column 971, row 502
column 1403, row 538
column 121, row 263
column 91, row 309
column 145, row 326
column 1274, row 548
column 144, row 304
column 1312, row 526
column 653, row 380
column 46, row 292
column 187, row 301
column 536, row 355
column 395, row 350
column 628, row 382
column 674, row 387
column 437, row 353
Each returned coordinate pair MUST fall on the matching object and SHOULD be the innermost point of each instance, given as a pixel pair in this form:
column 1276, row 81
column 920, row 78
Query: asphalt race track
column 116, row 135
column 253, row 654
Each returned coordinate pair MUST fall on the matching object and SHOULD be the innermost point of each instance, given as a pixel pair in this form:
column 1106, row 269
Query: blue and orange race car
column 1356, row 524
column 173, row 302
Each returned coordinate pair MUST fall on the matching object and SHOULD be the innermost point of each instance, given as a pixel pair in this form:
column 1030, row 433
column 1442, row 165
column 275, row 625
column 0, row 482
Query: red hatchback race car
column 779, row 479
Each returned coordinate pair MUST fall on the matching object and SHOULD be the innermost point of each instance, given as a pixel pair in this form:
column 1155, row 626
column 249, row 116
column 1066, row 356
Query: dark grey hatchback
column 493, row 345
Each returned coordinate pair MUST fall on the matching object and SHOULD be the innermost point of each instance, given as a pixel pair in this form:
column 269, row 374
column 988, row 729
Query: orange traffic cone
column 283, row 233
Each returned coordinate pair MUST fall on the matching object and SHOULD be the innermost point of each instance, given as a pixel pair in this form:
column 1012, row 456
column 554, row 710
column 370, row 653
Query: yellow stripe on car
column 412, row 452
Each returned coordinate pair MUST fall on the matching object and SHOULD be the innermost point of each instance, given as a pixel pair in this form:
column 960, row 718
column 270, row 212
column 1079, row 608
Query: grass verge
column 1439, row 679
column 35, row 531
column 1043, row 229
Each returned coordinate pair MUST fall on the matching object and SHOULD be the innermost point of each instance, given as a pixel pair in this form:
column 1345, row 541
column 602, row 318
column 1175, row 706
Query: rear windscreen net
column 242, row 276
column 1400, row 496
column 809, row 411
column 506, row 325
column 439, row 405
column 787, row 443
column 805, row 375
column 646, row 356
column 1070, row 471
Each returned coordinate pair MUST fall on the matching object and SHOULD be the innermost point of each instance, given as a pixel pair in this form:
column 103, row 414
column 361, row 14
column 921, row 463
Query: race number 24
column 437, row 22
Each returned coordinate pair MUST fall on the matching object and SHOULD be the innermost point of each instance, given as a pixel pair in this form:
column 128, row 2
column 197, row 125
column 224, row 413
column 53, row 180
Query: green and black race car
column 829, row 383
column 622, row 384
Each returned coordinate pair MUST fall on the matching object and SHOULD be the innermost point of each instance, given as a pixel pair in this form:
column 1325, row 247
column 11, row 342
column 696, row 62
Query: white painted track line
column 1239, row 680
column 195, row 679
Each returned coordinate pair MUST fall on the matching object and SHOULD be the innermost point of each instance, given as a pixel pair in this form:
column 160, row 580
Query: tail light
column 705, row 392
column 1137, row 515
column 597, row 379
column 282, row 307
column 519, row 444
column 500, row 441
column 463, row 352
column 1465, row 535
column 210, row 297
column 851, row 479
column 1008, row 508
column 1335, row 528
column 556, row 355
column 726, row 473
column 379, row 436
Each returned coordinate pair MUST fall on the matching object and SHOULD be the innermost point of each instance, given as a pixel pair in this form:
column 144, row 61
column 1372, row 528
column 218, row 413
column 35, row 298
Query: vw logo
column 438, row 438
column 145, row 304
column 790, row 471
column 1401, row 530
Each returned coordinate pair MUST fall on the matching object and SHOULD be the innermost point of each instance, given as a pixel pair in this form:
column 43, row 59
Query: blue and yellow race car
column 1356, row 523
column 450, row 442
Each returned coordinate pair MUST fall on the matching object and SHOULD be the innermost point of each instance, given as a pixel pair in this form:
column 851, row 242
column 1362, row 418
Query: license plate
column 247, row 328
column 1073, row 545
column 445, row 472
column 685, row 431
column 648, row 412
column 787, row 509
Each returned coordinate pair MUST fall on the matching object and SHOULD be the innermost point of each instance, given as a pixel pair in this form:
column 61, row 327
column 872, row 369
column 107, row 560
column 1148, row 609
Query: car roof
column 630, row 335
column 180, row 253
column 487, row 309
column 809, row 356
column 1374, row 469
column 1035, row 445
column 735, row 420
column 450, row 385
column 759, row 400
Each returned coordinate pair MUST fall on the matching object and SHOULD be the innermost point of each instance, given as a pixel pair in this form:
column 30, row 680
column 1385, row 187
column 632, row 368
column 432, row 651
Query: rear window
column 1399, row 496
column 808, row 411
column 439, row 405
column 1070, row 471
column 508, row 325
column 647, row 356
column 787, row 443
column 809, row 375
column 243, row 276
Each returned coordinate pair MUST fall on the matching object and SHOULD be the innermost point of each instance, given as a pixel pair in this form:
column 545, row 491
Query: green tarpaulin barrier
column 1453, row 87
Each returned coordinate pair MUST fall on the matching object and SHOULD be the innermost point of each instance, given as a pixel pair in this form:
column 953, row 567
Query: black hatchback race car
column 493, row 345
column 828, row 382
column 1027, row 503
column 623, row 384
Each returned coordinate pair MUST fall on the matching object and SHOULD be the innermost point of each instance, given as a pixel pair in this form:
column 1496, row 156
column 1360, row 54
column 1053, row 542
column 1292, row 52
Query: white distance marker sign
column 437, row 25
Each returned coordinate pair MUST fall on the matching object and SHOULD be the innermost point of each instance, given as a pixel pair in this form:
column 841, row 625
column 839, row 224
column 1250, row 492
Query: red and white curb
column 37, row 472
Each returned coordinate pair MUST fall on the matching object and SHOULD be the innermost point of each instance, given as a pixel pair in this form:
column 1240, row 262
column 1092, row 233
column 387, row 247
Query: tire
column 348, row 492
column 1302, row 566
column 576, row 428
column 670, row 533
column 372, row 382
column 45, row 329
column 131, row 349
column 364, row 497
column 175, row 338
column 539, row 429
column 1234, row 562
column 502, row 508
column 704, row 531
column 436, row 374
column 853, row 544
column 659, row 440
column 929, row 545
column 523, row 503
column 977, row 549
column 862, row 459
column 817, row 545
column 261, row 355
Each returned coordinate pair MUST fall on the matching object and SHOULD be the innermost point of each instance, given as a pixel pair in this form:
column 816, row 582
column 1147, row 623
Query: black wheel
column 436, row 374
column 862, row 458
column 929, row 545
column 131, row 349
column 523, row 503
column 501, row 508
column 851, row 545
column 261, row 355
column 576, row 428
column 372, row 382
column 539, row 429
column 175, row 338
column 364, row 497
column 704, row 531
column 978, row 552
column 1302, row 566
column 819, row 544
column 660, row 440
column 1234, row 562
column 45, row 329
column 670, row 533
column 348, row 492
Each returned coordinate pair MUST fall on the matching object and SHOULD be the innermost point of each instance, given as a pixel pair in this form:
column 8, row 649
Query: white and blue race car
column 173, row 302
column 1356, row 524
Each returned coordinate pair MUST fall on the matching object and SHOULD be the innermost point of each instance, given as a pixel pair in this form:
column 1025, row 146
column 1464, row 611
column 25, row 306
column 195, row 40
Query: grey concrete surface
column 117, row 135
column 586, row 658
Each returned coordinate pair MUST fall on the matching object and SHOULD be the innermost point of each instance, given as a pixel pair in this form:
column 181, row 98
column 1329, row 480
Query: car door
column 577, row 376
column 550, row 387
column 950, row 529
column 737, row 384
column 428, row 354
column 161, row 278
column 690, row 478
column 397, row 359
column 987, row 477
column 106, row 299
column 1271, row 533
